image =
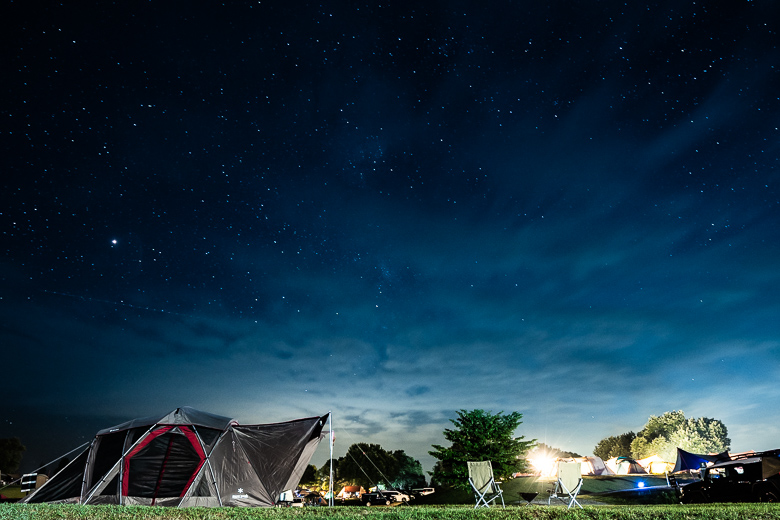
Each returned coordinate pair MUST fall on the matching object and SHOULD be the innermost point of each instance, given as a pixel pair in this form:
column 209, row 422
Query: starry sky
column 390, row 210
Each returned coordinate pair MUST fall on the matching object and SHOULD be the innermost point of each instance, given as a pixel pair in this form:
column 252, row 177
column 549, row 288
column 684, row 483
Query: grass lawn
column 451, row 512
column 592, row 488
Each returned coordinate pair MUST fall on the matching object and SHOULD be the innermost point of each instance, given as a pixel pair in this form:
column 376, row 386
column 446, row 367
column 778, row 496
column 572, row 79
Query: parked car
column 747, row 479
column 384, row 497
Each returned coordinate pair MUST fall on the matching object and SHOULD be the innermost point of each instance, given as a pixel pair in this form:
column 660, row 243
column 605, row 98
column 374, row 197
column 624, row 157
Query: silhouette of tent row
column 187, row 458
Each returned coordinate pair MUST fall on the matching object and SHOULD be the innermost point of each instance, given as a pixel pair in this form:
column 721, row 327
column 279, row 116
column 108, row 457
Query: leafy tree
column 663, row 435
column 309, row 477
column 478, row 436
column 367, row 465
column 410, row 473
column 437, row 473
column 550, row 452
column 11, row 451
column 324, row 472
column 323, row 475
column 702, row 435
column 615, row 446
column 654, row 437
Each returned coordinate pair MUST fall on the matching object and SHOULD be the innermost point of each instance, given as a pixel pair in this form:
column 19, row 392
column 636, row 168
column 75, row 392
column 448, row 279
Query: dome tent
column 625, row 466
column 187, row 458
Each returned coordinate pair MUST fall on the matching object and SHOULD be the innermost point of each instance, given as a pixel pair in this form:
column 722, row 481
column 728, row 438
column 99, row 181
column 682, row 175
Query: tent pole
column 122, row 467
column 211, row 469
column 330, row 483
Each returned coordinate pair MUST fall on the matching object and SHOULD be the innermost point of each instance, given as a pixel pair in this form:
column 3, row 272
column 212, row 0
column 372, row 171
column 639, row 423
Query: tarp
column 187, row 458
column 687, row 461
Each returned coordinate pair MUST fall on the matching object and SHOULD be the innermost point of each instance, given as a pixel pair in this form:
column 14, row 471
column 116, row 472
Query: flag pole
column 330, row 484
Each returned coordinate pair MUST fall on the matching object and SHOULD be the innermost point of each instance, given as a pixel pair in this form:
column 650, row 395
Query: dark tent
column 688, row 461
column 187, row 458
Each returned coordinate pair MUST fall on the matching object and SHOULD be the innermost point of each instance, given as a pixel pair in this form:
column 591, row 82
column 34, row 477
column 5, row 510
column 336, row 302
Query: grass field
column 605, row 512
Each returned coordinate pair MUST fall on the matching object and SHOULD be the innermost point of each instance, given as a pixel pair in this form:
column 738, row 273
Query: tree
column 11, row 451
column 410, row 473
column 663, row 435
column 615, row 446
column 478, row 436
column 654, row 437
column 323, row 475
column 367, row 465
column 545, row 451
column 309, row 477
column 702, row 435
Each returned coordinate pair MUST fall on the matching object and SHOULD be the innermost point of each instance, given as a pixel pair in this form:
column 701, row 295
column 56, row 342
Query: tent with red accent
column 187, row 458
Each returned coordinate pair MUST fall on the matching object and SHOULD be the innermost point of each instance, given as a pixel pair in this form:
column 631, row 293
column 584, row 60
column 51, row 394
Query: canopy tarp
column 687, row 461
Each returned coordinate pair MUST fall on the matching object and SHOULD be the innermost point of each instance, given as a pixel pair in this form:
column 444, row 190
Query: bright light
column 640, row 484
column 543, row 464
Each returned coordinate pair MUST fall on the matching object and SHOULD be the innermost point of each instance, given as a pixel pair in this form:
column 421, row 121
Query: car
column 750, row 478
column 384, row 497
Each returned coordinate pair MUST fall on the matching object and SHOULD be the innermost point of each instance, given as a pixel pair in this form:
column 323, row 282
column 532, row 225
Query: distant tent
column 687, row 461
column 655, row 465
column 348, row 492
column 625, row 466
column 187, row 458
column 588, row 466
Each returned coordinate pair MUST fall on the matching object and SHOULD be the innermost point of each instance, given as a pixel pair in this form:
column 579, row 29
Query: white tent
column 348, row 492
column 656, row 465
column 588, row 466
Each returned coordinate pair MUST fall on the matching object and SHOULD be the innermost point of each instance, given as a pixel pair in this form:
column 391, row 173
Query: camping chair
column 568, row 484
column 486, row 489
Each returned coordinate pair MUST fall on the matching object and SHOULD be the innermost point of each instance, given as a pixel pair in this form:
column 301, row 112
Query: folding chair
column 568, row 484
column 486, row 489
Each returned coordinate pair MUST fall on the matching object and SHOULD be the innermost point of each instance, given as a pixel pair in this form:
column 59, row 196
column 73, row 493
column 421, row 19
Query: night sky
column 269, row 210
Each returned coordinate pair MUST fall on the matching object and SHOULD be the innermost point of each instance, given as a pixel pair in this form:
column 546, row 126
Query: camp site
column 205, row 463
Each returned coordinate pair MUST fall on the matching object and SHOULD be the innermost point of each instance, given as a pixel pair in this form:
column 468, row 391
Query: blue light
column 640, row 484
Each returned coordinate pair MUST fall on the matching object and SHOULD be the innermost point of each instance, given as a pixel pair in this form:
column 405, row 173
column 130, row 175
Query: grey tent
column 187, row 458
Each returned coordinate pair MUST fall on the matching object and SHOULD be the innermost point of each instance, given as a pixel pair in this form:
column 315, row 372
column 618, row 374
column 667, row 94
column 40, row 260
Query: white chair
column 567, row 484
column 486, row 489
